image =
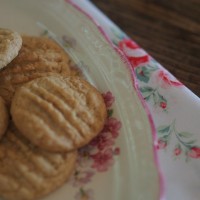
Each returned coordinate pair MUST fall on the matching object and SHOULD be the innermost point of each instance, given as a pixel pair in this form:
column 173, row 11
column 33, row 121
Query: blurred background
column 168, row 30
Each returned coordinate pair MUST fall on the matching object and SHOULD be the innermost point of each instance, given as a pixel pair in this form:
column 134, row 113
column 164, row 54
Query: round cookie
column 10, row 44
column 58, row 114
column 29, row 173
column 4, row 117
column 38, row 57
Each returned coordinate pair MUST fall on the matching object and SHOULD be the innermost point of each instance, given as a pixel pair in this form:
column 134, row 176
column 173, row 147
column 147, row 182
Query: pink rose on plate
column 116, row 151
column 133, row 52
column 167, row 80
column 112, row 125
column 82, row 177
column 177, row 151
column 108, row 98
column 103, row 140
column 161, row 144
column 163, row 105
column 102, row 160
column 84, row 155
column 194, row 152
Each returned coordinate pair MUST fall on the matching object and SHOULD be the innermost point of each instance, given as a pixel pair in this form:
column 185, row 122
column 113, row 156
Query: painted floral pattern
column 102, row 160
column 185, row 143
column 99, row 154
column 166, row 80
column 109, row 99
column 194, row 152
column 144, row 73
column 81, row 178
column 147, row 69
column 152, row 94
column 136, row 55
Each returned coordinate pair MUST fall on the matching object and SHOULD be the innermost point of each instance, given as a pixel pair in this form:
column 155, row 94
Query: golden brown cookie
column 58, row 114
column 4, row 117
column 27, row 172
column 10, row 44
column 38, row 57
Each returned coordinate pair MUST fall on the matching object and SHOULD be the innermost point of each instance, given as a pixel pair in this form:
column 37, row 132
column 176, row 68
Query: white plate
column 104, row 175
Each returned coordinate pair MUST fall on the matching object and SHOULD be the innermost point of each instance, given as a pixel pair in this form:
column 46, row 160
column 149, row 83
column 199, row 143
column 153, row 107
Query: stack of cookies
column 47, row 113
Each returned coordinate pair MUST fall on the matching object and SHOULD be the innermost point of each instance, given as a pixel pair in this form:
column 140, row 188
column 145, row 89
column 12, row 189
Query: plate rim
column 136, row 88
column 134, row 83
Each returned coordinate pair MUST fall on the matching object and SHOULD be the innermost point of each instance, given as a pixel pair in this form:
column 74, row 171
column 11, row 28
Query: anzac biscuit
column 10, row 44
column 4, row 117
column 58, row 114
column 38, row 57
column 27, row 172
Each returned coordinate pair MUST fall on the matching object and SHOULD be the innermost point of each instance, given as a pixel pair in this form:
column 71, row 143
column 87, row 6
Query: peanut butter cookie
column 38, row 57
column 10, row 44
column 58, row 114
column 4, row 117
column 29, row 173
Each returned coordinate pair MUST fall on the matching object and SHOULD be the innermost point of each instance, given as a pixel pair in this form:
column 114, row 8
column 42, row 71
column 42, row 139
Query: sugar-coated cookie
column 10, row 44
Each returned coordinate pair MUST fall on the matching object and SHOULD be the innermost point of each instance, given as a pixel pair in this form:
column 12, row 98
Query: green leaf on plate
column 162, row 99
column 163, row 129
column 185, row 134
column 155, row 99
column 110, row 112
column 178, row 146
column 152, row 67
column 142, row 74
column 146, row 91
column 191, row 142
column 165, row 137
column 147, row 98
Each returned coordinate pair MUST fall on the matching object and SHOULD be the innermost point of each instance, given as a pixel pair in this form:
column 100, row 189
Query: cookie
column 38, row 57
column 4, row 117
column 58, row 114
column 10, row 44
column 29, row 173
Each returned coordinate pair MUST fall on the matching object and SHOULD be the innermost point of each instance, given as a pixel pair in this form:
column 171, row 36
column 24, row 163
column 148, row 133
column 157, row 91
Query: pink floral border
column 99, row 155
column 136, row 87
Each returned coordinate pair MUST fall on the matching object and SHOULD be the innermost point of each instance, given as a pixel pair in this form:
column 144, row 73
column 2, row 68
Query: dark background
column 168, row 29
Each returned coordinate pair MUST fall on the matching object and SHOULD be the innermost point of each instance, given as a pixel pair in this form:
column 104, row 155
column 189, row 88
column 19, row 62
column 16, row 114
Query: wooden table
column 168, row 30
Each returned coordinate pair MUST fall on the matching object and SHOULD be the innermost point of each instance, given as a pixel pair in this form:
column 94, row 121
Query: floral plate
column 120, row 163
